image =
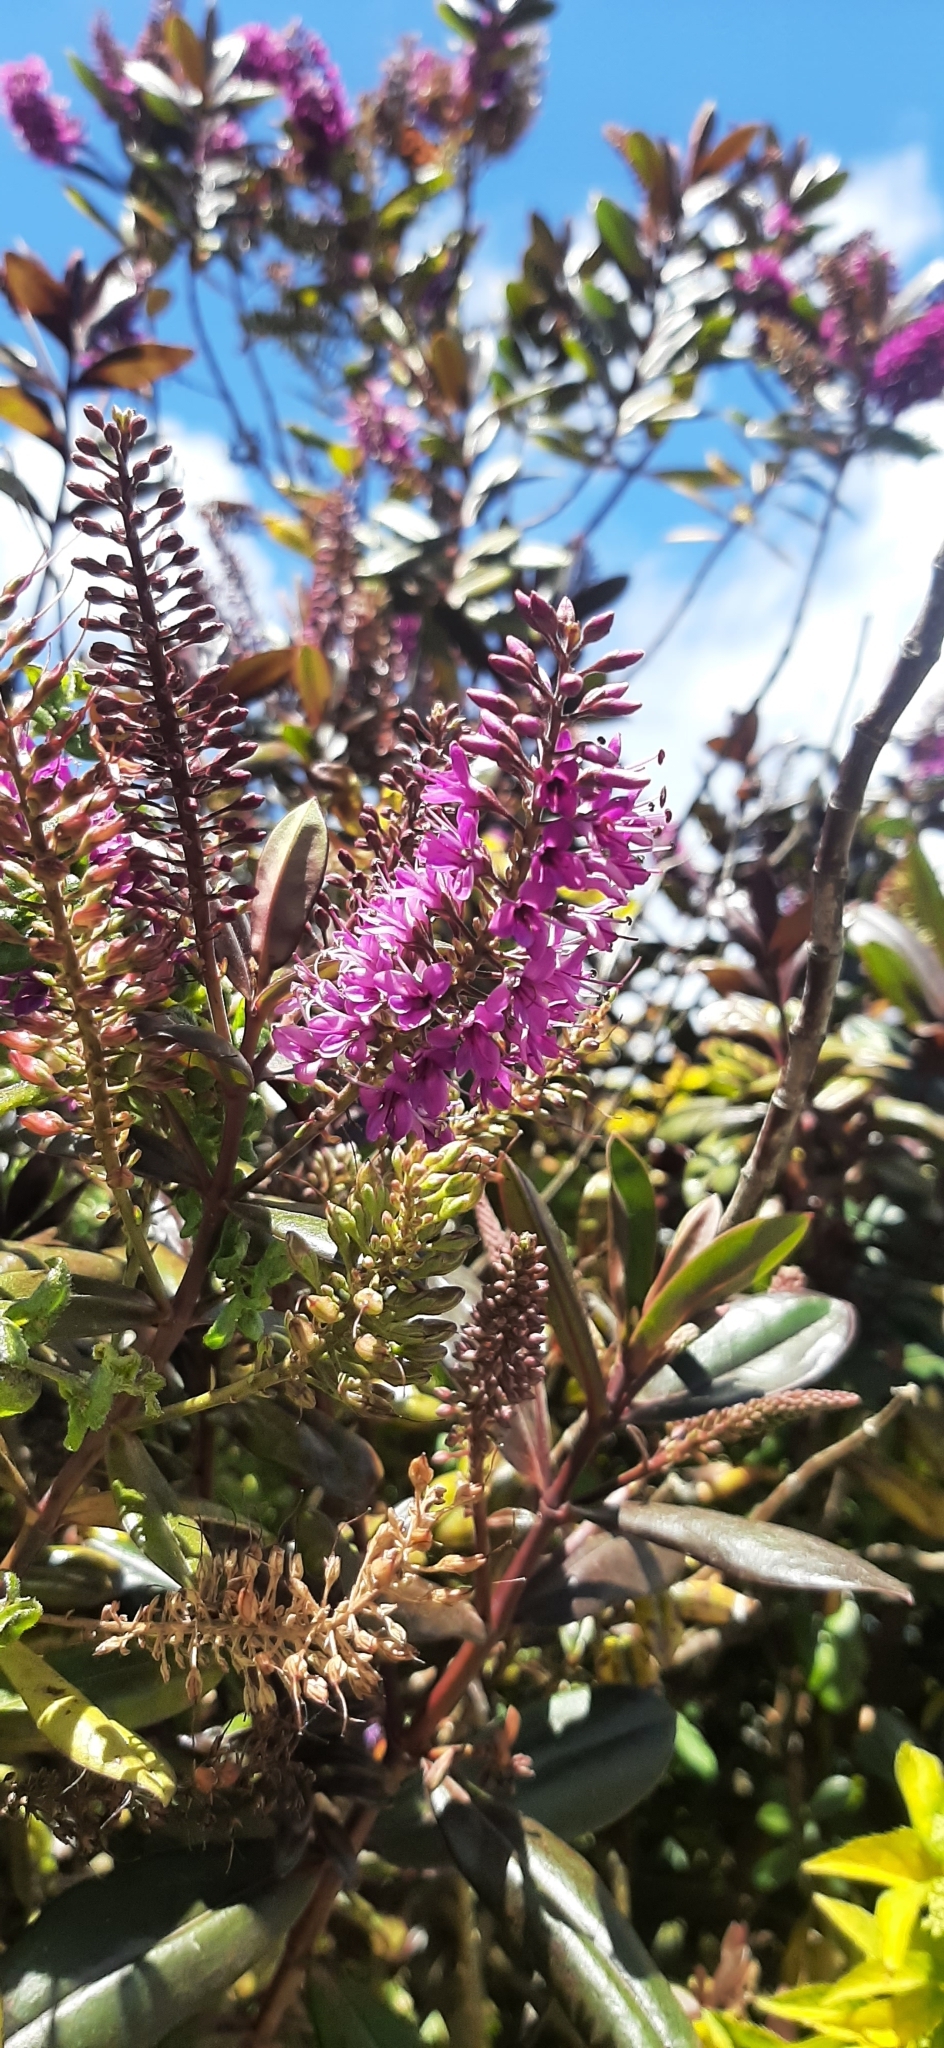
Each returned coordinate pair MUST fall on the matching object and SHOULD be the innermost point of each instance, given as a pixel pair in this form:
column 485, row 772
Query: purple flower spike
column 266, row 59
column 909, row 367
column 40, row 117
column 462, row 961
column 381, row 431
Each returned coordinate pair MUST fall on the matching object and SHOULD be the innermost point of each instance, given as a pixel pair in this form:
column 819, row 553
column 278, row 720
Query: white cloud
column 205, row 472
column 894, row 197
column 877, row 565
column 207, row 475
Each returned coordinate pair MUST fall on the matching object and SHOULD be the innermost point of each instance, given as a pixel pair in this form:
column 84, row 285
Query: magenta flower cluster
column 297, row 62
column 462, row 964
column 909, row 366
column 40, row 117
column 381, row 431
column 763, row 277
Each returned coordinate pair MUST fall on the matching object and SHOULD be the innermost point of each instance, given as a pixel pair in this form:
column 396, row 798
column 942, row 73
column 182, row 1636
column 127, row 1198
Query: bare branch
column 919, row 653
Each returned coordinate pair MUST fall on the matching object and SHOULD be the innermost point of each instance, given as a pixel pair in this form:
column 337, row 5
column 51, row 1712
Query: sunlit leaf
column 32, row 415
column 726, row 1266
column 91, row 1740
column 135, row 368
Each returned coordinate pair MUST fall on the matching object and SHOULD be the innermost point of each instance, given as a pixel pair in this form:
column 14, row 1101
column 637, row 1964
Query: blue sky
column 860, row 78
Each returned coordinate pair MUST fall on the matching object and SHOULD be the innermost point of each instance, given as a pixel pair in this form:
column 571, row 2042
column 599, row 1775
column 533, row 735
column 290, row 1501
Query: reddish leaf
column 736, row 745
column 31, row 288
column 22, row 410
column 136, row 368
column 730, row 150
column 699, row 137
column 184, row 44
column 728, row 980
column 256, row 673
column 288, row 877
column 791, row 931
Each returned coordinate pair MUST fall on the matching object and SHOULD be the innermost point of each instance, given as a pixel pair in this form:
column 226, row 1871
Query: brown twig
column 832, row 1455
column 290, row 1975
column 920, row 651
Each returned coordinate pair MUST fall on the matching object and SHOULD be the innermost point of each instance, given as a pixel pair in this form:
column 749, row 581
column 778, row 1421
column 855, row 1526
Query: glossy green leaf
column 915, row 967
column 597, row 1752
column 146, row 1502
column 557, row 1915
column 345, row 2013
column 632, row 1220
column 128, row 1974
column 909, row 1120
column 286, row 1220
column 319, row 1453
column 765, row 1553
column 524, row 1210
column 724, row 1267
column 128, row 1689
column 91, row 1740
column 763, row 1344
column 618, row 231
column 695, row 1231
column 926, row 899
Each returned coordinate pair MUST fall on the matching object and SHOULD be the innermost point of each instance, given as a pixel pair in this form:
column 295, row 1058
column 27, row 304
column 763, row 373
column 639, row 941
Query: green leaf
column 17, row 1614
column 344, row 2013
column 764, row 1344
column 112, row 1981
column 597, row 1752
column 726, row 1266
column 897, row 960
column 618, row 231
column 555, row 1912
column 632, row 1220
column 525, row 1210
column 287, row 1220
column 128, row 1689
column 81, row 1731
column 926, row 898
column 762, row 1552
column 693, row 1753
column 145, row 1502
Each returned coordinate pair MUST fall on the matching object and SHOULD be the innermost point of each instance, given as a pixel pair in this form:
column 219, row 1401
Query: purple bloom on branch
column 298, row 63
column 381, row 430
column 909, row 366
column 764, row 277
column 41, row 117
column 466, row 960
column 266, row 58
column 226, row 139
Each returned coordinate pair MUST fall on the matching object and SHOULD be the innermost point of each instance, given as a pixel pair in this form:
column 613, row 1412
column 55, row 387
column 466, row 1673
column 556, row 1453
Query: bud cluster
column 498, row 1361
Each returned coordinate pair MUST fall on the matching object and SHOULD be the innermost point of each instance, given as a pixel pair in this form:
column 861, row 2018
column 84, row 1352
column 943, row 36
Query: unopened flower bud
column 368, row 1301
column 324, row 1308
column 368, row 1349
